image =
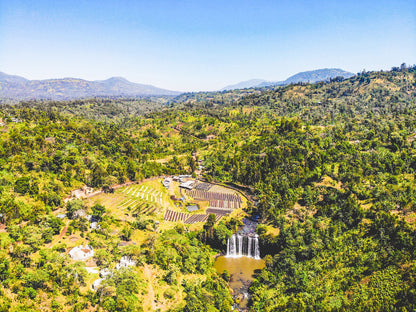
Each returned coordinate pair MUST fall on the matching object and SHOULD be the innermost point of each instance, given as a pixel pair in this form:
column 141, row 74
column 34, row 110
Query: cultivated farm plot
column 208, row 195
column 224, row 204
column 217, row 212
column 221, row 189
column 143, row 199
column 107, row 200
column 143, row 210
column 201, row 218
column 175, row 216
column 197, row 218
column 143, row 193
column 221, row 201
column 186, row 218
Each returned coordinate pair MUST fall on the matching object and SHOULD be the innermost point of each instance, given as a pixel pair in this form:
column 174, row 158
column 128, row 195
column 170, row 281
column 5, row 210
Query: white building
column 81, row 253
column 188, row 184
column 125, row 262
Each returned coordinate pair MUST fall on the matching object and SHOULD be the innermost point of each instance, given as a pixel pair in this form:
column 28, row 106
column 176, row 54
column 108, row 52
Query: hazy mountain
column 307, row 76
column 15, row 87
column 311, row 76
column 11, row 79
column 244, row 84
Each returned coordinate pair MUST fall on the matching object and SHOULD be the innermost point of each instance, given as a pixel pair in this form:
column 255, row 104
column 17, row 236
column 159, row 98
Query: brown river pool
column 242, row 272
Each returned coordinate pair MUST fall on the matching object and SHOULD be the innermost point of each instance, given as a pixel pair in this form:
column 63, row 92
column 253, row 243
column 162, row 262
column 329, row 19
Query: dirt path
column 56, row 240
column 150, row 297
column 63, row 232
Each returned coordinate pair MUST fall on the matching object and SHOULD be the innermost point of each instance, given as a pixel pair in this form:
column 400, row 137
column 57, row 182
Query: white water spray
column 240, row 245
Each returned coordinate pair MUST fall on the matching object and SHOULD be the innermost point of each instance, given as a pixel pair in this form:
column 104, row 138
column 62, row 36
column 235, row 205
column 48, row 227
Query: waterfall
column 248, row 247
column 256, row 248
column 233, row 247
column 242, row 245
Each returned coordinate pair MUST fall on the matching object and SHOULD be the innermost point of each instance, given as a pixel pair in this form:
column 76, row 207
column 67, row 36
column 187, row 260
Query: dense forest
column 331, row 168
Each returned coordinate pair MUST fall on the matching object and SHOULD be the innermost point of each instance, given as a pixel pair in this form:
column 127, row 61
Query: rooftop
column 191, row 208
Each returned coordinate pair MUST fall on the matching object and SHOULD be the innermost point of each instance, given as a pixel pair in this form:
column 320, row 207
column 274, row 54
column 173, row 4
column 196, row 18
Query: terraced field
column 151, row 198
column 219, row 198
column 201, row 218
column 186, row 218
column 144, row 193
column 222, row 201
column 208, row 195
column 133, row 200
column 224, row 204
column 175, row 216
column 140, row 200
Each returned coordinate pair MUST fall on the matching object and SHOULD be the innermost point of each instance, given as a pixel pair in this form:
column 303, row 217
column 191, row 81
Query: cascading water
column 250, row 240
column 233, row 247
column 256, row 248
column 242, row 245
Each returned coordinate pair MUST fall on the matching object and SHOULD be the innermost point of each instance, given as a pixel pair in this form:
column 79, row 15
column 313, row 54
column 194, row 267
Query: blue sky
column 202, row 45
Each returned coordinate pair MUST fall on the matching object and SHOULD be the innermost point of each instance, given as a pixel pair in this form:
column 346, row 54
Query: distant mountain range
column 19, row 88
column 307, row 76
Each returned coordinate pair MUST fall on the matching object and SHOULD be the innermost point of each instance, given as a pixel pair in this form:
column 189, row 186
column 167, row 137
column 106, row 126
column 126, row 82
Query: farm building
column 81, row 253
column 184, row 176
column 188, row 184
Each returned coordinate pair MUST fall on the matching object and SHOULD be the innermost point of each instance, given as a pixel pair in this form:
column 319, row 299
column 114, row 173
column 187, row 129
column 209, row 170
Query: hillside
column 307, row 76
column 328, row 168
column 101, row 109
column 18, row 88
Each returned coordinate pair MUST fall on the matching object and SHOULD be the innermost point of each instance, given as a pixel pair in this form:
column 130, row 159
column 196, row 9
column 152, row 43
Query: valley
column 163, row 195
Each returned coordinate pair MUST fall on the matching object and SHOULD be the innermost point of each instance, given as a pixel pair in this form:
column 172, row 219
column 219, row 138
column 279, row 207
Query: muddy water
column 242, row 271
